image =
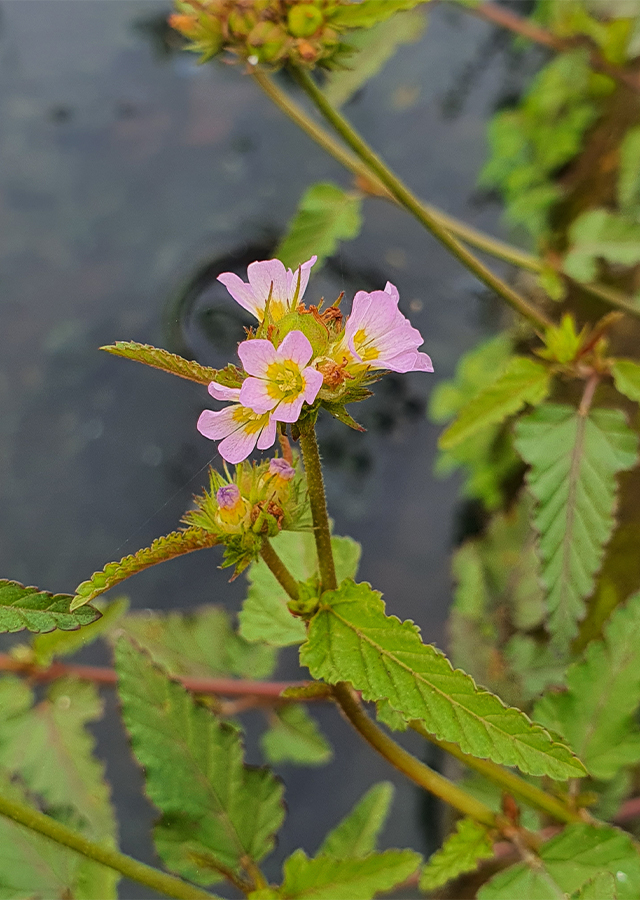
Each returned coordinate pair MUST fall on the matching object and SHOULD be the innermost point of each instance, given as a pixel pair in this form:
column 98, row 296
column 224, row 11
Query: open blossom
column 378, row 335
column 281, row 380
column 237, row 427
column 269, row 279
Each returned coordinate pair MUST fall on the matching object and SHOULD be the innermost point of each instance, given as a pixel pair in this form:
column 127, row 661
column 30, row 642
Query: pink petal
column 220, row 392
column 423, row 363
column 301, row 272
column 238, row 445
column 264, row 274
column 255, row 394
column 392, row 290
column 216, row 425
column 313, row 382
column 268, row 435
column 295, row 347
column 288, row 410
column 257, row 355
column 242, row 293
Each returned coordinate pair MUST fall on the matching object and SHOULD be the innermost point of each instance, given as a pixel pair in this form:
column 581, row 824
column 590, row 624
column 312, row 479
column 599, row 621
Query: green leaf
column 597, row 713
column 601, row 887
column 27, row 607
column 197, row 644
column 47, row 647
column 574, row 460
column 460, row 853
column 326, row 215
column 163, row 548
column 214, row 807
column 357, row 833
column 626, row 375
column 368, row 13
column 294, row 737
column 600, row 234
column 326, row 878
column 373, row 48
column 629, row 173
column 351, row 639
column 264, row 615
column 577, row 855
column 524, row 381
column 535, row 666
column 175, row 365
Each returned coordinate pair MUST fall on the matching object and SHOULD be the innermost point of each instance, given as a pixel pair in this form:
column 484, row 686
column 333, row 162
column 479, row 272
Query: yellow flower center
column 284, row 380
column 250, row 421
column 366, row 353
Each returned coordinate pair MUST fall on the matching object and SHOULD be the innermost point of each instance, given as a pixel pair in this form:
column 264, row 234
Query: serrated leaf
column 524, row 381
column 163, row 548
column 27, row 607
column 373, row 48
column 325, row 878
column 460, row 853
column 535, row 666
column 174, row 364
column 294, row 737
column 351, row 639
column 47, row 647
column 357, row 833
column 629, row 173
column 626, row 375
column 597, row 713
column 326, row 215
column 578, row 854
column 573, row 461
column 199, row 644
column 368, row 13
column 600, row 234
column 264, row 615
column 213, row 805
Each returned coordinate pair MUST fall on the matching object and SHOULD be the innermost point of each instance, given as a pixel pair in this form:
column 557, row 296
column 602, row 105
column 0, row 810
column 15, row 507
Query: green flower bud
column 304, row 20
column 308, row 324
column 268, row 40
column 241, row 23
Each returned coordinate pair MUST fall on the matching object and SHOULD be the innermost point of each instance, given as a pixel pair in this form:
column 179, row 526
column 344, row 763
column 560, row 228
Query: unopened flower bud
column 269, row 40
column 240, row 23
column 232, row 508
column 304, row 20
column 281, row 469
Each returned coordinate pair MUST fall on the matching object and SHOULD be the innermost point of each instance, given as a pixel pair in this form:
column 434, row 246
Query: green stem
column 417, row 771
column 508, row 781
column 318, row 503
column 284, row 576
column 130, row 868
column 404, row 196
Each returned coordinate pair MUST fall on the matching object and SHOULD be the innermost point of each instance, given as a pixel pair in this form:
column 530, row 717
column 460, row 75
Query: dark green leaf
column 27, row 607
column 574, row 460
column 351, row 639
column 326, row 878
column 357, row 833
column 175, row 365
column 629, row 173
column 460, row 853
column 214, row 807
column 47, row 647
column 294, row 737
column 326, row 215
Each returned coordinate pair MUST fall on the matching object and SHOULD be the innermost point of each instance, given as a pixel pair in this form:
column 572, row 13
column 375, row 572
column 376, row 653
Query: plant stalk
column 283, row 575
column 407, row 199
column 318, row 503
column 165, row 884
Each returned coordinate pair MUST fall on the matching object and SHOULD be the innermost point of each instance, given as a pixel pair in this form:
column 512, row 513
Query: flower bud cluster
column 273, row 32
column 258, row 500
column 298, row 359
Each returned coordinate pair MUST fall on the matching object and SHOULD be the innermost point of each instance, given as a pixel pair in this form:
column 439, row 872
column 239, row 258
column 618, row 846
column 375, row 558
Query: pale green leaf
column 163, row 548
column 535, row 666
column 46, row 647
column 573, row 461
column 390, row 717
column 351, row 639
column 629, row 173
column 264, row 615
column 601, row 887
column 357, row 833
column 373, row 48
column 326, row 215
column 175, row 365
column 327, row 878
column 626, row 375
column 597, row 712
column 600, row 234
column 367, row 13
column 460, row 853
column 198, row 644
column 214, row 807
column 524, row 381
column 576, row 856
column 295, row 737
column 27, row 607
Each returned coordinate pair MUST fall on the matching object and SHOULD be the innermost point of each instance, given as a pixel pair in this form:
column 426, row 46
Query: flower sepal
column 312, row 328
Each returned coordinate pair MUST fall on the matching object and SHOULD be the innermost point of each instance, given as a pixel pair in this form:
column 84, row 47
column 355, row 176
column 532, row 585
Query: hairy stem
column 407, row 199
column 318, row 503
column 125, row 865
column 284, row 576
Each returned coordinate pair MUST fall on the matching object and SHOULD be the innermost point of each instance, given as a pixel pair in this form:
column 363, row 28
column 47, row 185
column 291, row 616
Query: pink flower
column 281, row 380
column 237, row 427
column 269, row 278
column 281, row 469
column 379, row 336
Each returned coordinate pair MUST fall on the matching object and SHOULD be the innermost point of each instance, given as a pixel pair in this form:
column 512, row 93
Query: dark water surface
column 123, row 173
